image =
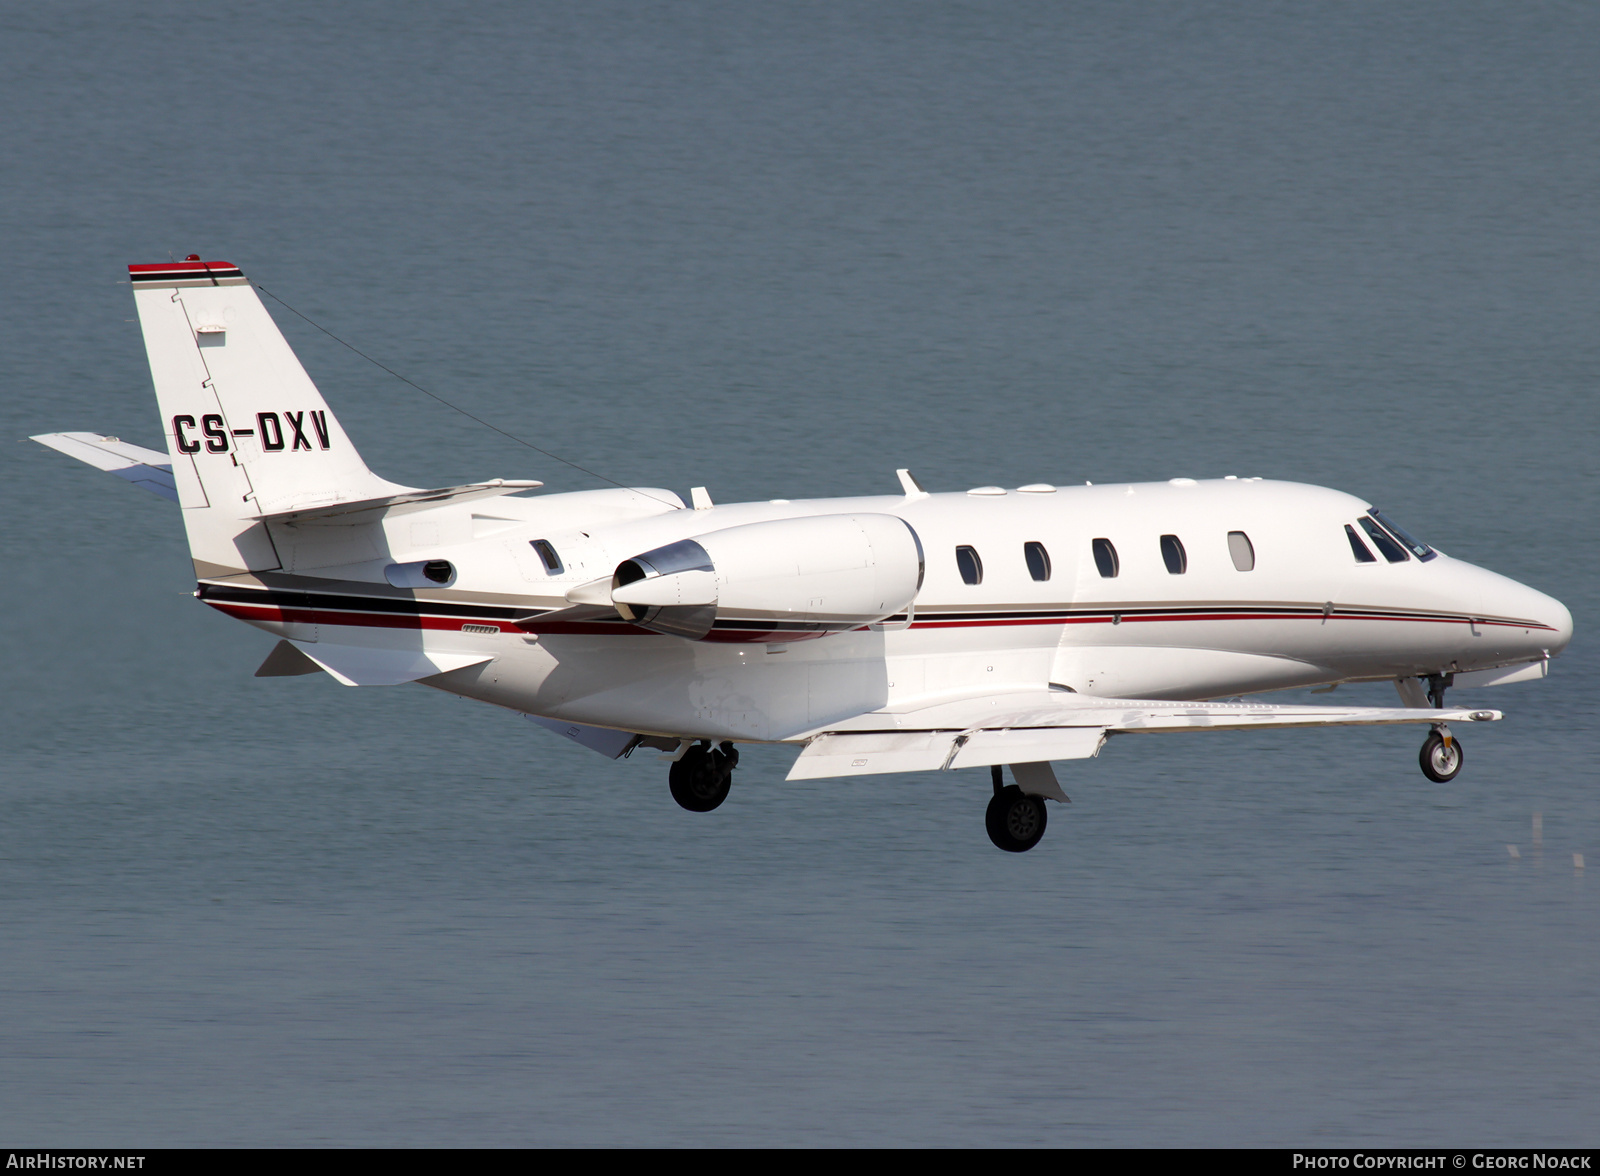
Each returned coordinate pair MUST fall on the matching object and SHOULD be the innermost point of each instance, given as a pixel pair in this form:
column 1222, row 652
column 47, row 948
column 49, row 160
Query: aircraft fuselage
column 1292, row 605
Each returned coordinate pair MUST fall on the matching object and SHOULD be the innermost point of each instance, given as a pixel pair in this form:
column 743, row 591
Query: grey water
column 780, row 250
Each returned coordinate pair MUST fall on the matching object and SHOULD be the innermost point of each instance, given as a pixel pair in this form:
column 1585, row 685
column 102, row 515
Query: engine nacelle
column 787, row 580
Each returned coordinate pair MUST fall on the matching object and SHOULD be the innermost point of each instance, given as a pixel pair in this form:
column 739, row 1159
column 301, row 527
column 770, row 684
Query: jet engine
column 785, row 580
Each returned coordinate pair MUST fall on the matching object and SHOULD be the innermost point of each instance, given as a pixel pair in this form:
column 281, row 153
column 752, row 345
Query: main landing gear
column 1441, row 756
column 1015, row 820
column 701, row 777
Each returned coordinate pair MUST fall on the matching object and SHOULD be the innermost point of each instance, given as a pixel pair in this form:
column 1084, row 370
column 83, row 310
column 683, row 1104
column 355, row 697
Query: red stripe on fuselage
column 316, row 616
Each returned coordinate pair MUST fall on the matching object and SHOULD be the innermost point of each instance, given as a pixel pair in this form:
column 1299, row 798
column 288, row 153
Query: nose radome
column 1524, row 603
column 1482, row 592
column 1558, row 617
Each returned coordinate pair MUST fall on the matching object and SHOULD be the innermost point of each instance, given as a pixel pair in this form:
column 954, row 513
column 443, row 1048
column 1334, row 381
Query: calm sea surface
column 780, row 250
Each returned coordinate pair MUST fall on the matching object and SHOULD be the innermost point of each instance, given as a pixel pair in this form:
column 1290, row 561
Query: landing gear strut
column 1015, row 820
column 1441, row 756
column 702, row 776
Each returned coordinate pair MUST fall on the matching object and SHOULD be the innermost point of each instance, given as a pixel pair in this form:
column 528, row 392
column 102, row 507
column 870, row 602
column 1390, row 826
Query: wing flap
column 606, row 741
column 1027, row 745
column 870, row 753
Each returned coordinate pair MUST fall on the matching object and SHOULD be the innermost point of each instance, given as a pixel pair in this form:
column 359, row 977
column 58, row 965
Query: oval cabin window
column 1173, row 555
column 1038, row 560
column 1105, row 558
column 969, row 563
column 1239, row 547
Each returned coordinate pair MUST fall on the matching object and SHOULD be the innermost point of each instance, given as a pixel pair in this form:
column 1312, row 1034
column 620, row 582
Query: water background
column 780, row 250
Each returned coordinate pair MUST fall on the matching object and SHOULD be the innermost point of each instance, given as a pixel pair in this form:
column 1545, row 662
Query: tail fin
column 247, row 430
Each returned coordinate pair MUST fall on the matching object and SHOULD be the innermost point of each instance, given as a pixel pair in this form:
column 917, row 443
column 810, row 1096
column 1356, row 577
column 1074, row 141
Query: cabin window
column 1243, row 553
column 1358, row 548
column 1387, row 547
column 1173, row 555
column 1416, row 546
column 969, row 563
column 1038, row 560
column 548, row 556
column 1105, row 558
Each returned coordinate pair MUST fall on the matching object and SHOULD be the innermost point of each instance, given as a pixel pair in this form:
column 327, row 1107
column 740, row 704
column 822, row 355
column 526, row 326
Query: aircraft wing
column 146, row 468
column 1039, row 726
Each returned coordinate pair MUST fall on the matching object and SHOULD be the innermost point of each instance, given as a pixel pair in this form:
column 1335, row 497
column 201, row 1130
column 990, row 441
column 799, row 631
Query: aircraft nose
column 1484, row 593
column 1558, row 617
column 1530, row 604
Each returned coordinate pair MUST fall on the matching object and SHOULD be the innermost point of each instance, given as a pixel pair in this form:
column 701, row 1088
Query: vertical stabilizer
column 247, row 430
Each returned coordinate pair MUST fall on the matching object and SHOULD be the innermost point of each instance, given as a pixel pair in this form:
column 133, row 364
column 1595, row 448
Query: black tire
column 1015, row 820
column 701, row 779
column 1438, row 764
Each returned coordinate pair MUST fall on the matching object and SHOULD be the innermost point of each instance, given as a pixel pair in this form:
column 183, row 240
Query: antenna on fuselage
column 910, row 485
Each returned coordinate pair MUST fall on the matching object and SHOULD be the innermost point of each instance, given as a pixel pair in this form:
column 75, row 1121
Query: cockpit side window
column 1417, row 548
column 1105, row 558
column 1384, row 542
column 1358, row 548
column 970, row 565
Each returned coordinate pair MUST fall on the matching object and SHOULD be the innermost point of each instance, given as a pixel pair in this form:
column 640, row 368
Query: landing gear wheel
column 1441, row 764
column 1015, row 820
column 701, row 779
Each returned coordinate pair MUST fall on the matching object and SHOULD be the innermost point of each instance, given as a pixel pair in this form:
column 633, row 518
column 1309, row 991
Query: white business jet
column 907, row 632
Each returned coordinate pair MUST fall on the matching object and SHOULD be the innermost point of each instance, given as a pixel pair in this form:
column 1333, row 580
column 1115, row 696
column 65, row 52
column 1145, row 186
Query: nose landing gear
column 1441, row 757
column 702, row 776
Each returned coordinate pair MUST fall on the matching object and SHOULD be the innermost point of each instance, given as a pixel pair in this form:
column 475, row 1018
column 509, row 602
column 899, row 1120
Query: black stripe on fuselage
column 410, row 606
column 400, row 606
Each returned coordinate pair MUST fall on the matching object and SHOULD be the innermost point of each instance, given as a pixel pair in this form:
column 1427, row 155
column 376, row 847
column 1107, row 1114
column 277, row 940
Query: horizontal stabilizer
column 366, row 666
column 1050, row 725
column 403, row 503
column 148, row 469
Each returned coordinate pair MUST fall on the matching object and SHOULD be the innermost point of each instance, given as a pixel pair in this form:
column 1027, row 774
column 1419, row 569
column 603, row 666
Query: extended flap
column 869, row 753
column 1028, row 745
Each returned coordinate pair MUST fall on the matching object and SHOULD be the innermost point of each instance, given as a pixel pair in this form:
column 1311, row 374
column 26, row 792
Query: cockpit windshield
column 1415, row 546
